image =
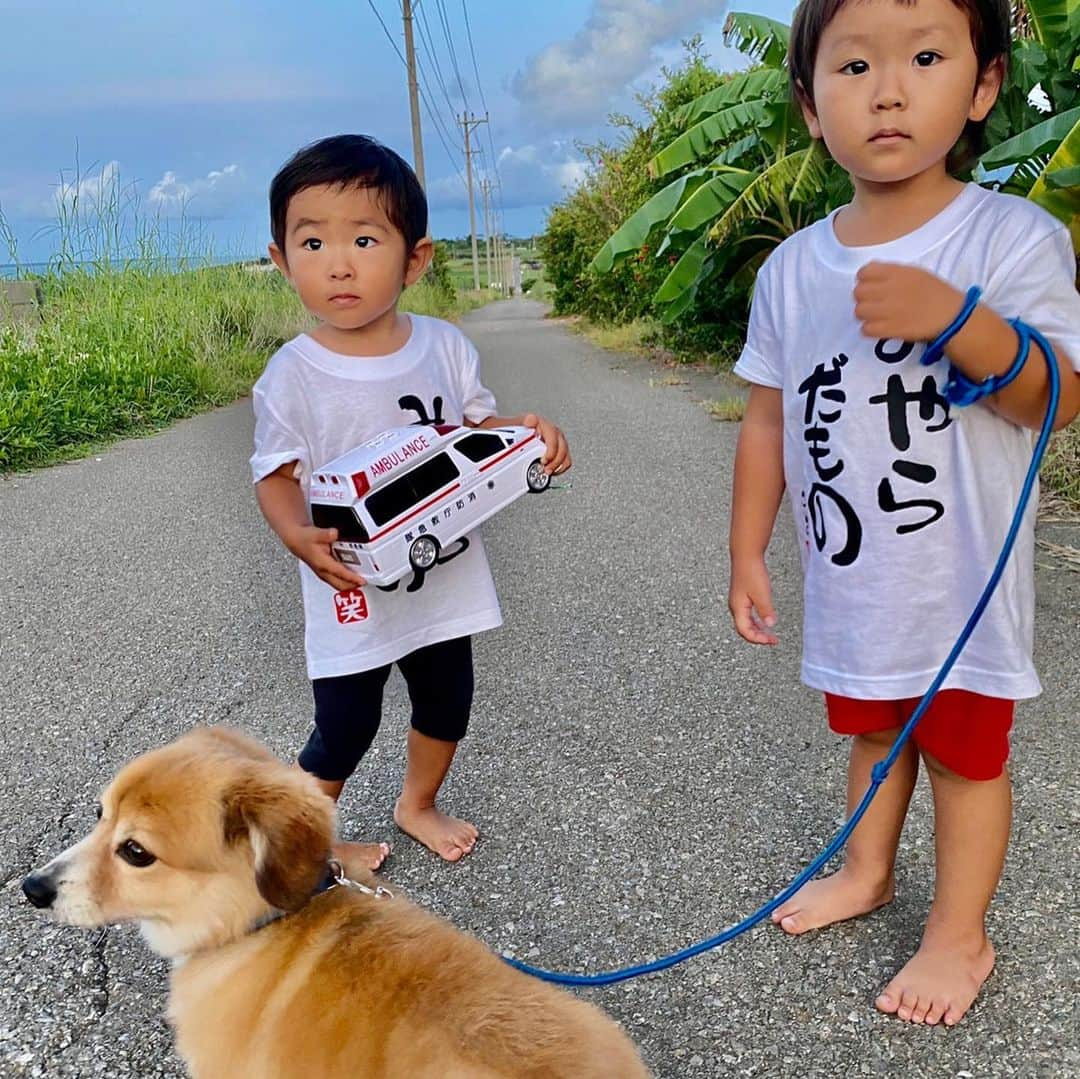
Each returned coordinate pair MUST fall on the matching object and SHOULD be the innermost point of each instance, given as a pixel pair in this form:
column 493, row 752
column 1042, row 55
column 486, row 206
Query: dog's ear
column 289, row 824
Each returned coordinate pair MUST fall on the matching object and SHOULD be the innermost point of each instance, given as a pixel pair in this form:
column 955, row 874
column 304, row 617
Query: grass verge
column 124, row 352
column 1061, row 466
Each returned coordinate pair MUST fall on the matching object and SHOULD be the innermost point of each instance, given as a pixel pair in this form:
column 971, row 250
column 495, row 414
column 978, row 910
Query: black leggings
column 348, row 708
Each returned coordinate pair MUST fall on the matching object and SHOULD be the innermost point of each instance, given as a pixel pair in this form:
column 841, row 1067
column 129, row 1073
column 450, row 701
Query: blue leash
column 959, row 390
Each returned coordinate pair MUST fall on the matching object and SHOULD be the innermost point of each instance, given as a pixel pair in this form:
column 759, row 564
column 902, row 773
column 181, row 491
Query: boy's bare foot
column 448, row 837
column 367, row 855
column 831, row 899
column 940, row 981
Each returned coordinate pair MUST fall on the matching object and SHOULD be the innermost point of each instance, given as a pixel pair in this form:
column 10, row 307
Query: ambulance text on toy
column 401, row 498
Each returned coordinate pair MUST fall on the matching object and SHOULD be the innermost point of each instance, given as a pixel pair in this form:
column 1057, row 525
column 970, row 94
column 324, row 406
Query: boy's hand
column 312, row 545
column 557, row 458
column 904, row 303
column 750, row 602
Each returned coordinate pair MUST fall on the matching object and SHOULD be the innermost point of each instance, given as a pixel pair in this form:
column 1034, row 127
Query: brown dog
column 218, row 851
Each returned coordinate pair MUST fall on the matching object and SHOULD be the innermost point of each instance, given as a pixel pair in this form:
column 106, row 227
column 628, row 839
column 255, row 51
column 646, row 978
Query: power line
column 429, row 48
column 453, row 52
column 423, row 96
column 427, row 42
column 480, row 88
column 472, row 51
column 386, row 31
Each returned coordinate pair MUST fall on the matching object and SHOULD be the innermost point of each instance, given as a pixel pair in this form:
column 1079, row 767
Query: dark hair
column 352, row 161
column 991, row 37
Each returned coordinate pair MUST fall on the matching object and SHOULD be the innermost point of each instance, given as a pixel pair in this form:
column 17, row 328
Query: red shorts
column 967, row 732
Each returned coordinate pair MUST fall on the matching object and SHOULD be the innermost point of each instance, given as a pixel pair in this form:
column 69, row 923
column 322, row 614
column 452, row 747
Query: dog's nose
column 40, row 890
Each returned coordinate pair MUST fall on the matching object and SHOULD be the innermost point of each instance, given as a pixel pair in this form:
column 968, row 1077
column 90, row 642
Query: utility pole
column 500, row 247
column 485, row 187
column 414, row 93
column 468, row 122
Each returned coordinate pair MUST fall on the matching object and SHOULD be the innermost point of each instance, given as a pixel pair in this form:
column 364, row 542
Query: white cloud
column 103, row 194
column 89, row 190
column 203, row 194
column 530, row 175
column 579, row 80
column 534, row 174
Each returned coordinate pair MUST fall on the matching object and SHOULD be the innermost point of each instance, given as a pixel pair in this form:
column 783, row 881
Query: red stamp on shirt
column 351, row 606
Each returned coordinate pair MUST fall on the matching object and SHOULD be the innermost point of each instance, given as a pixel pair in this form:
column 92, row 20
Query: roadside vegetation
column 679, row 211
column 128, row 340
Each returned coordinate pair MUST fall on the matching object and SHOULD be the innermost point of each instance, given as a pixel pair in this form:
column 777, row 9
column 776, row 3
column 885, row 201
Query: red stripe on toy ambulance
column 418, row 490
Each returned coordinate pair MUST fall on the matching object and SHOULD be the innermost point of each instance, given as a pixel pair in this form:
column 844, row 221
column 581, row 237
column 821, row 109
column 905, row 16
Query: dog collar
column 333, row 877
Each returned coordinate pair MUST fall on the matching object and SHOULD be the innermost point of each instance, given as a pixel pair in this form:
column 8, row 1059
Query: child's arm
column 557, row 458
column 757, row 490
column 910, row 304
column 282, row 503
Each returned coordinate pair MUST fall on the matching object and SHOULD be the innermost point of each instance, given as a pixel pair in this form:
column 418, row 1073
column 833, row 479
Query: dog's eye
column 135, row 854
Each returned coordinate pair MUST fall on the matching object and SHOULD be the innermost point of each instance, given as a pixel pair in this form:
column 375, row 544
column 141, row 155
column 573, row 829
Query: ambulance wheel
column 536, row 478
column 423, row 552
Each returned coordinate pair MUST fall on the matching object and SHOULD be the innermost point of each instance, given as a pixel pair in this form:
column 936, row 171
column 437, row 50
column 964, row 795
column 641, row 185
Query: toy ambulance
column 402, row 498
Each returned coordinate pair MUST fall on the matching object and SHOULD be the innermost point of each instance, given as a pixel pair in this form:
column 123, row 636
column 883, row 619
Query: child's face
column 344, row 257
column 894, row 85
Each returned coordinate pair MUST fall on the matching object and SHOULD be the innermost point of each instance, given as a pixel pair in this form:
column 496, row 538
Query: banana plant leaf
column 1058, row 188
column 758, row 36
column 761, row 82
column 674, row 309
column 1053, row 20
column 1040, row 139
column 797, row 177
column 1064, row 178
column 634, row 231
column 698, row 141
column 738, row 150
column 681, row 285
column 1027, row 65
column 711, row 199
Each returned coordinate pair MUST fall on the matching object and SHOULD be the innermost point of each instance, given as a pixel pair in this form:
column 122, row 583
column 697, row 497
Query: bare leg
column 942, row 979
column 866, row 880
column 428, row 762
column 368, row 855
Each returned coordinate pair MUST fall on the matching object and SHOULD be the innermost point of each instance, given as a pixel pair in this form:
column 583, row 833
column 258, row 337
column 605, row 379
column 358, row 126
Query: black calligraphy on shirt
column 897, row 398
column 825, row 383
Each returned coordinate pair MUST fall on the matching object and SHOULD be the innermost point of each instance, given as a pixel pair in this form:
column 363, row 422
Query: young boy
column 902, row 502
column 349, row 223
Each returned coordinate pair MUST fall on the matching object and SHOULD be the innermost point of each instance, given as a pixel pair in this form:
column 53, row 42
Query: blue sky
column 194, row 106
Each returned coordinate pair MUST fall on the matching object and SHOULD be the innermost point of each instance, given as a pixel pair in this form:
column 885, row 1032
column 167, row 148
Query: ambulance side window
column 479, row 447
column 411, row 489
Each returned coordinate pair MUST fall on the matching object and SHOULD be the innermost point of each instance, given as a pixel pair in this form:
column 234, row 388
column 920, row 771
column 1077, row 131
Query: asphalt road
column 641, row 778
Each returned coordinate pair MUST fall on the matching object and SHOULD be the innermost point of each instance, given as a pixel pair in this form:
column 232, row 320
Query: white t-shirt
column 312, row 405
column 901, row 504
